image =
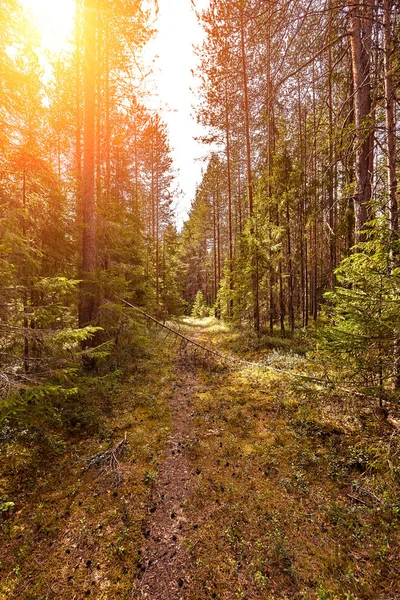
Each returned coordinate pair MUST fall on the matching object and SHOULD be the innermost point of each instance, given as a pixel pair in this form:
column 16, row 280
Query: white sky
column 172, row 50
column 178, row 30
column 54, row 20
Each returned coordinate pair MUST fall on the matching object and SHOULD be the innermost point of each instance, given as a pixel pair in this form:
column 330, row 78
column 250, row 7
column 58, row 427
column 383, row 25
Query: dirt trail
column 164, row 566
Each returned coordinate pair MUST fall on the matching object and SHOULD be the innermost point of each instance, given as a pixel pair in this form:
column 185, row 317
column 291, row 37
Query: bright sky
column 178, row 30
column 54, row 20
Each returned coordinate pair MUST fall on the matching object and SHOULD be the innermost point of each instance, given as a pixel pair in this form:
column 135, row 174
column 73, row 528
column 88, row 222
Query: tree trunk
column 331, row 174
column 215, row 251
column 391, row 159
column 290, row 269
column 360, row 14
column 218, row 311
column 390, row 119
column 78, row 116
column 228, row 166
column 254, row 259
column 87, row 308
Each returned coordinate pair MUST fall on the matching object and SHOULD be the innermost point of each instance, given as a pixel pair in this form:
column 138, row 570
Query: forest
column 209, row 410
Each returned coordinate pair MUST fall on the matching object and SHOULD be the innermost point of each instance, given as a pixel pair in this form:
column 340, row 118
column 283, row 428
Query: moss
column 74, row 532
column 272, row 520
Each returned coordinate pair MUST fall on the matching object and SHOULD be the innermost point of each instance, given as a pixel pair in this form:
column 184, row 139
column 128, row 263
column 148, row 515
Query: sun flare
column 54, row 21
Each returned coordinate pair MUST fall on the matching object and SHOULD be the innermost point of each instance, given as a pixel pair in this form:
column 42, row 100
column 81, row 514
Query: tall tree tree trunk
column 99, row 108
column 215, row 250
column 218, row 311
column 107, row 111
column 87, row 307
column 25, row 280
column 361, row 14
column 255, row 281
column 331, row 171
column 390, row 118
column 157, row 230
column 230, row 231
column 391, row 158
column 290, row 269
column 271, row 301
column 78, row 116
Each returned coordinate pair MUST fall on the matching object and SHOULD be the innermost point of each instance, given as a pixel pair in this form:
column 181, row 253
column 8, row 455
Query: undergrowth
column 298, row 493
column 69, row 531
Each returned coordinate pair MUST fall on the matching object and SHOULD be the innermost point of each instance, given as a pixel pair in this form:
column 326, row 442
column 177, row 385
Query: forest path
column 262, row 493
column 236, row 485
column 165, row 564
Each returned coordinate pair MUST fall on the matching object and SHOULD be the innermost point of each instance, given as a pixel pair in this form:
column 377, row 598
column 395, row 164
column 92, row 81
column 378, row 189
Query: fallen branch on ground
column 232, row 359
column 109, row 460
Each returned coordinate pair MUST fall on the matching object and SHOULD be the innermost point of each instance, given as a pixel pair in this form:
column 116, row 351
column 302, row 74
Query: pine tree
column 361, row 317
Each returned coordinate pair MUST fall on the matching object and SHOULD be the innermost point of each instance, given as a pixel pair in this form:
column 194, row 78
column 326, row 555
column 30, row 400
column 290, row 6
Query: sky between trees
column 169, row 60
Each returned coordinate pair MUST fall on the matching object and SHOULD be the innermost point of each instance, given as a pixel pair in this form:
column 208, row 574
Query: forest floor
column 236, row 483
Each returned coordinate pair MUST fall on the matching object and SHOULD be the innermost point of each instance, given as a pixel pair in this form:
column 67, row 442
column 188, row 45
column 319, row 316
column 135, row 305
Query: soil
column 165, row 565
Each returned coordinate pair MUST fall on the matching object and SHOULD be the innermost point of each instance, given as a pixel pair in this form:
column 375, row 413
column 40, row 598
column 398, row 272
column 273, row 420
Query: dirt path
column 164, row 567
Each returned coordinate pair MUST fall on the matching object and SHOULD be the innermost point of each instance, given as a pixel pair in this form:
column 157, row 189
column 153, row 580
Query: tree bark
column 87, row 308
column 391, row 159
column 78, row 123
column 254, row 259
column 390, row 118
column 228, row 166
column 360, row 15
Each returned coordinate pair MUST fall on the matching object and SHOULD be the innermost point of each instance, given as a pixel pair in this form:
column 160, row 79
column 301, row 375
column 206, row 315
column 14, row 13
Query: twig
column 109, row 459
column 357, row 499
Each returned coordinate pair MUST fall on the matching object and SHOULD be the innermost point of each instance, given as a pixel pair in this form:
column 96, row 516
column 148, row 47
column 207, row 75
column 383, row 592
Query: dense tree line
column 86, row 187
column 299, row 99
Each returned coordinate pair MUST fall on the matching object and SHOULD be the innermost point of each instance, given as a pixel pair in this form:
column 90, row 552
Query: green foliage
column 6, row 506
column 172, row 274
column 361, row 316
column 199, row 310
column 69, row 338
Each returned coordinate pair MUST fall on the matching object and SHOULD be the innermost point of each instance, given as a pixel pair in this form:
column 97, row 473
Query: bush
column 200, row 310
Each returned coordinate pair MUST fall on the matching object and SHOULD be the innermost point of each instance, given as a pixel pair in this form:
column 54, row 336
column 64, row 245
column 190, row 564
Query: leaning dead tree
column 184, row 338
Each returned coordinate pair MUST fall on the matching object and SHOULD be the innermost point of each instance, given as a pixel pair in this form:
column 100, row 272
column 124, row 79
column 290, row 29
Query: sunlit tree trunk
column 271, row 300
column 255, row 282
column 391, row 157
column 78, row 123
column 157, row 230
column 99, row 109
column 228, row 166
column 107, row 111
column 214, row 209
column 87, row 308
column 218, row 223
column 390, row 118
column 331, row 172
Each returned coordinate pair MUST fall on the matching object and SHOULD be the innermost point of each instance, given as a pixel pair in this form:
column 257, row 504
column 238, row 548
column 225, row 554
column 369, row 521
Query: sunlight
column 53, row 20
